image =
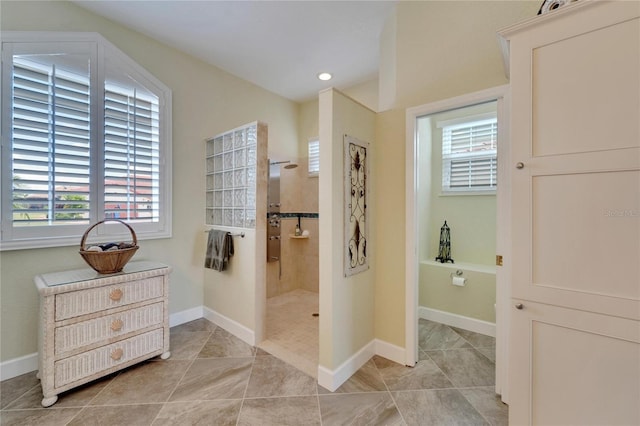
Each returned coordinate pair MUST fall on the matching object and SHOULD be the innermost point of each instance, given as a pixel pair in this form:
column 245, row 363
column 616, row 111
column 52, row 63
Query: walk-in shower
column 274, row 236
column 292, row 265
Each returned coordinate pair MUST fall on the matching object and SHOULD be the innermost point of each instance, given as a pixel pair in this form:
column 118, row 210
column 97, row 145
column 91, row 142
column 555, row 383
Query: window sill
column 466, row 193
column 41, row 243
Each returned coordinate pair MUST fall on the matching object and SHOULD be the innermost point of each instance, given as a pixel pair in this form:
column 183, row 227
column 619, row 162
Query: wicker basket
column 108, row 262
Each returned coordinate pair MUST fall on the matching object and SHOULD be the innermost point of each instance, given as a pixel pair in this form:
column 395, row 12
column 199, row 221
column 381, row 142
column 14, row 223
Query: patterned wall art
column 355, row 200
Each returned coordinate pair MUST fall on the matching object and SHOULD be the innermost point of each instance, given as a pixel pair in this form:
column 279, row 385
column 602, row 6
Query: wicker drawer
column 76, row 303
column 90, row 363
column 85, row 333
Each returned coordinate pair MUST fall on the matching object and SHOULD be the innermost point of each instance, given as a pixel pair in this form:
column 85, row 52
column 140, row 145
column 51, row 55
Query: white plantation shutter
column 86, row 136
column 469, row 156
column 131, row 155
column 50, row 145
column 314, row 157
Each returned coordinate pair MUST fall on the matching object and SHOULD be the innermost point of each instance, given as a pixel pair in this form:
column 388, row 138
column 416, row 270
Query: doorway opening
column 456, row 151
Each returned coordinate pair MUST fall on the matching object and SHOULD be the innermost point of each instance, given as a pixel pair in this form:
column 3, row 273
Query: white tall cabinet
column 574, row 351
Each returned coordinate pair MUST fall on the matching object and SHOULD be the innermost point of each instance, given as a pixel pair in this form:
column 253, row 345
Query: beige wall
column 449, row 48
column 472, row 218
column 442, row 49
column 346, row 303
column 475, row 300
column 206, row 101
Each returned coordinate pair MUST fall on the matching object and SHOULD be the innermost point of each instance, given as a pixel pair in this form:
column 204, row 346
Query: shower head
column 289, row 164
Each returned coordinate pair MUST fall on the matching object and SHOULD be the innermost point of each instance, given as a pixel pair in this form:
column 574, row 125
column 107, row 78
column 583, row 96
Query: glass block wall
column 231, row 178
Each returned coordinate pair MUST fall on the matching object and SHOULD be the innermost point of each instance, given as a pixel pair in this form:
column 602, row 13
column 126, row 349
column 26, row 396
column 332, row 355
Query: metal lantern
column 444, row 253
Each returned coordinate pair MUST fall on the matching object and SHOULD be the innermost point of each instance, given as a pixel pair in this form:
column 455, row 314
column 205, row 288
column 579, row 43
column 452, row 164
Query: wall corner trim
column 390, row 351
column 332, row 380
column 240, row 331
column 185, row 316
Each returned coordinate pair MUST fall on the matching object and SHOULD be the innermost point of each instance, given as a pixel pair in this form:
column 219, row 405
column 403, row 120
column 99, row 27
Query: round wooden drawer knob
column 116, row 325
column 116, row 294
column 116, row 354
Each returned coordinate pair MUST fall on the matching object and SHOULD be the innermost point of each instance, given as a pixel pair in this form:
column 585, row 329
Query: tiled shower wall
column 299, row 257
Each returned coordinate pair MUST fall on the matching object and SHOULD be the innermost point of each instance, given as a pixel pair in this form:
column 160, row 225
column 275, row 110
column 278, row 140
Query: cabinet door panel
column 584, row 105
column 586, row 236
column 583, row 368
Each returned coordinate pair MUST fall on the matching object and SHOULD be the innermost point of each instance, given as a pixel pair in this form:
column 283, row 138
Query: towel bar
column 237, row 234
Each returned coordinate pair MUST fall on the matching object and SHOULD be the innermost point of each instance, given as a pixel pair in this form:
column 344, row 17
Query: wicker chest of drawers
column 92, row 325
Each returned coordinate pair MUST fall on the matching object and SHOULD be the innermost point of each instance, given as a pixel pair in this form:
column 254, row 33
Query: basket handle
column 86, row 233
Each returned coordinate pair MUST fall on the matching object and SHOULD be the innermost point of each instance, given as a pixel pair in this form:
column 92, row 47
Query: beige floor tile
column 218, row 413
column 214, row 378
column 289, row 411
column 224, row 344
column 488, row 403
column 147, row 382
column 425, row 375
column 77, row 397
column 436, row 407
column 12, row 389
column 38, row 417
column 359, row 409
column 188, row 344
column 465, row 367
column 273, row 377
column 130, row 415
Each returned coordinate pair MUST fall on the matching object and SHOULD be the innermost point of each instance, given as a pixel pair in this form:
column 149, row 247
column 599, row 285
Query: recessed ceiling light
column 324, row 76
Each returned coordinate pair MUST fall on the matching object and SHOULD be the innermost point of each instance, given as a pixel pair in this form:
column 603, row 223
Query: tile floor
column 213, row 378
column 292, row 330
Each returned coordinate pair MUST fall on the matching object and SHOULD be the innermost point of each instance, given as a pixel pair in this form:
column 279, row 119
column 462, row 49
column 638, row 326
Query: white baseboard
column 187, row 315
column 240, row 331
column 390, row 351
column 18, row 366
column 454, row 320
column 332, row 380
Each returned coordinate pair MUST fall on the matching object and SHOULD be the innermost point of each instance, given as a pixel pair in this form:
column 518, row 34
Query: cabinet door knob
column 116, row 354
column 519, row 306
column 117, row 324
column 115, row 294
column 519, row 165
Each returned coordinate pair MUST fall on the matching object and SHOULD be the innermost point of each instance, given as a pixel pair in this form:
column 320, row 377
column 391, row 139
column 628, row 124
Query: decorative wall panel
column 355, row 200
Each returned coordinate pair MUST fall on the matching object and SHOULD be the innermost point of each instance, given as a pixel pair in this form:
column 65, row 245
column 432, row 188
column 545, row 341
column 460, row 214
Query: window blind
column 469, row 156
column 131, row 155
column 87, row 137
column 50, row 144
column 314, row 157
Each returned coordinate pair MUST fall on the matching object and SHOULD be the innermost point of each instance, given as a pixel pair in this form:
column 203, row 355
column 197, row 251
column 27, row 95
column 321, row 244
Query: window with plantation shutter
column 469, row 154
column 50, row 143
column 86, row 136
column 131, row 155
column 314, row 157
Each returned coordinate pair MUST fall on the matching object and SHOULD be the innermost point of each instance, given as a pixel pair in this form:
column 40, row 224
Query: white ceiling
column 278, row 45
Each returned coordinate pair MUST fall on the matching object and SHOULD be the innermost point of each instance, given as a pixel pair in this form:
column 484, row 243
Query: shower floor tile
column 292, row 330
